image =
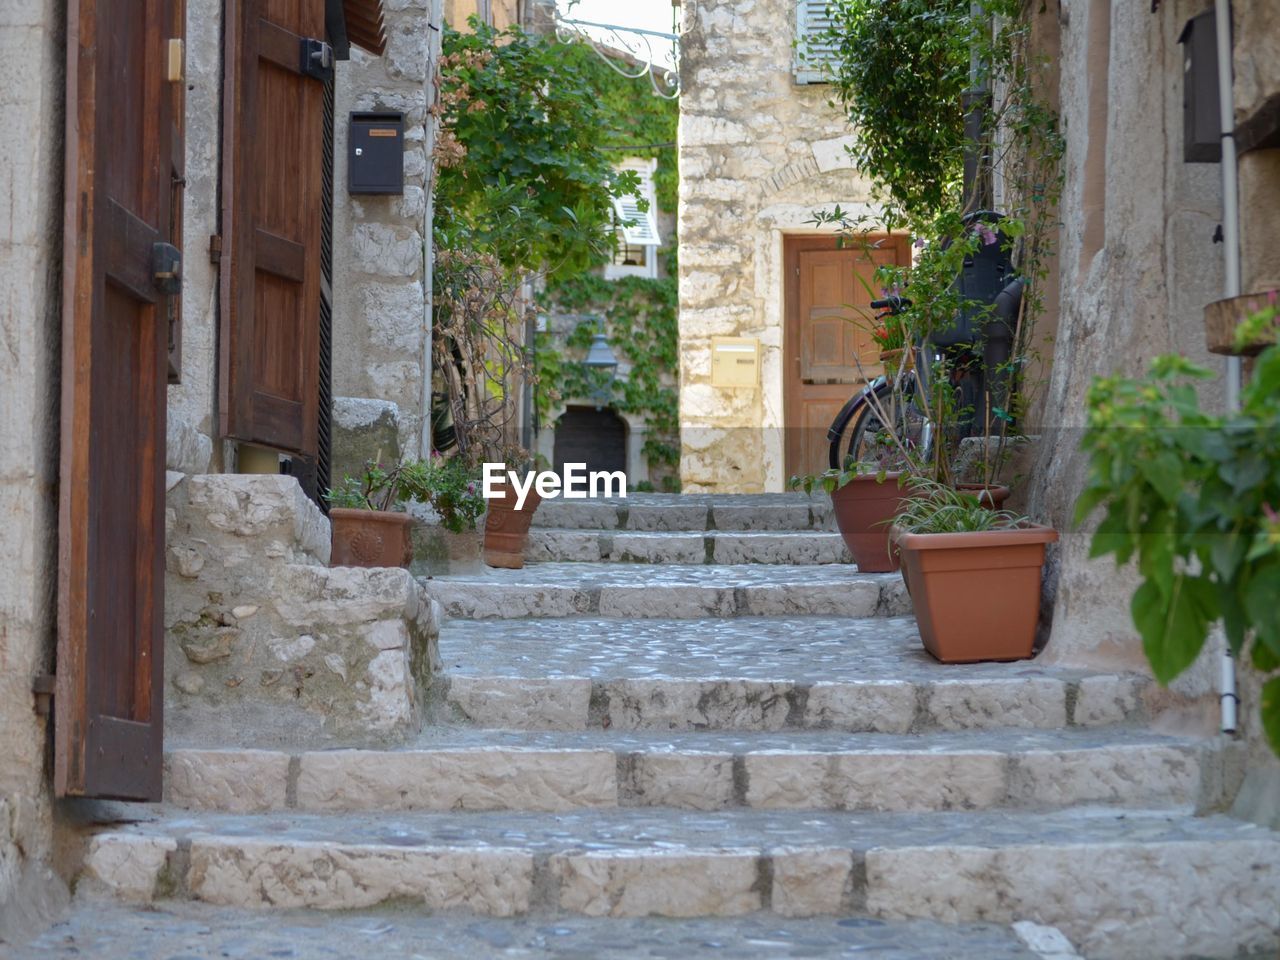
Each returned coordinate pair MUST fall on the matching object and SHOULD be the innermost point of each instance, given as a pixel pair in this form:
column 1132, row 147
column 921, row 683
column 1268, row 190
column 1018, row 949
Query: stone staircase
column 695, row 726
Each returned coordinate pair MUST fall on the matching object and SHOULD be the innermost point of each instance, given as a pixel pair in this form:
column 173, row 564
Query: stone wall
column 32, row 39
column 262, row 634
column 379, row 326
column 1137, row 264
column 758, row 154
column 193, row 445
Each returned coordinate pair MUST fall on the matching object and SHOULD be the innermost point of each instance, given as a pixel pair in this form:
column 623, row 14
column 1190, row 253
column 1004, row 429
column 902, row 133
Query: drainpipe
column 435, row 29
column 1231, row 286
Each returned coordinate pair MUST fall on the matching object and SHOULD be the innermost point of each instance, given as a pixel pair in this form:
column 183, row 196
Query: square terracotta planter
column 976, row 595
column 370, row 538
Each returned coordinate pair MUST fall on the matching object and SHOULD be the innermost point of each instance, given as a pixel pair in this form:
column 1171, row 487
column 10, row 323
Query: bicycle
column 906, row 405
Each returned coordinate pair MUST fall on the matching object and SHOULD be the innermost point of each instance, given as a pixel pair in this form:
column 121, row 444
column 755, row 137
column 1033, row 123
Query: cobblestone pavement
column 587, row 575
column 646, row 828
column 195, row 932
column 798, row 649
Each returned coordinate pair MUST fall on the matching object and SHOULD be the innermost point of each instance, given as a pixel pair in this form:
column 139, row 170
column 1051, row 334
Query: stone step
column 197, row 931
column 1119, row 884
column 716, row 547
column 636, row 590
column 496, row 770
column 687, row 512
column 756, row 673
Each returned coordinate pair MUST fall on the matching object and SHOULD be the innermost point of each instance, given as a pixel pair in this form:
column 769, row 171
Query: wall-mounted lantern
column 600, row 357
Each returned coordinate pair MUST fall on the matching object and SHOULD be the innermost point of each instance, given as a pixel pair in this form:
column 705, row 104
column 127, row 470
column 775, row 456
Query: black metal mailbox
column 375, row 153
column 1201, row 113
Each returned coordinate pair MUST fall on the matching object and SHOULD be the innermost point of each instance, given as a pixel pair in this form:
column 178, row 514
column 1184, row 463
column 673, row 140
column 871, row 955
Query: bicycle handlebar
column 893, row 304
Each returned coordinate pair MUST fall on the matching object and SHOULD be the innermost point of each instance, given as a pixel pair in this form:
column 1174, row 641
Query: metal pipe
column 1231, row 285
column 435, row 32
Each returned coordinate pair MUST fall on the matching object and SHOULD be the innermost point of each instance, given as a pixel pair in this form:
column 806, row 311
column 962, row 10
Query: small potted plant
column 370, row 528
column 973, row 573
column 506, row 527
column 865, row 496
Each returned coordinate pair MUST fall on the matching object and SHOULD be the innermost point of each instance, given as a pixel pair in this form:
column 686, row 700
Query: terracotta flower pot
column 992, row 495
column 370, row 538
column 863, row 508
column 976, row 595
column 506, row 529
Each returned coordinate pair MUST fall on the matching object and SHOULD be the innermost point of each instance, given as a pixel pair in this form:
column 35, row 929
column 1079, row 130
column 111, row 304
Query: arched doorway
column 597, row 438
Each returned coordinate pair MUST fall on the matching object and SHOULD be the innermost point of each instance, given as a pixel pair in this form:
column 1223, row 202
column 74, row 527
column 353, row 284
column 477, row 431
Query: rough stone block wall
column 379, row 329
column 32, row 39
column 758, row 154
column 192, row 414
column 262, row 633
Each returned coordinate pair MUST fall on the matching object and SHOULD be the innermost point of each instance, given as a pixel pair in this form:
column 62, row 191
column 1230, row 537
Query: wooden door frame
column 792, row 246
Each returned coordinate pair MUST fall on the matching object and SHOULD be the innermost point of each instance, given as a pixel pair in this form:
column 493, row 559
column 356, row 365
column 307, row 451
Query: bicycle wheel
column 869, row 436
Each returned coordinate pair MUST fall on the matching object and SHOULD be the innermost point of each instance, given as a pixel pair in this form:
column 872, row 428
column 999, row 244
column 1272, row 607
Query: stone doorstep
column 712, row 547
column 872, row 706
column 865, row 596
column 680, row 513
column 968, row 773
column 1136, row 886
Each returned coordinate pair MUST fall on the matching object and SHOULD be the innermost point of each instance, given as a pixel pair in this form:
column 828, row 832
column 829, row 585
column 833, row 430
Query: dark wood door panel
column 273, row 199
column 116, row 338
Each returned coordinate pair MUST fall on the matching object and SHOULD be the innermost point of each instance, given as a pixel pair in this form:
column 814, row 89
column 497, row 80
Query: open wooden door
column 118, row 270
column 828, row 322
column 276, row 64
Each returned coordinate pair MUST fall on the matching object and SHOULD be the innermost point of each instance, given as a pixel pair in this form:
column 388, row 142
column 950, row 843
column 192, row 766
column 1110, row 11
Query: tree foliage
column 523, row 173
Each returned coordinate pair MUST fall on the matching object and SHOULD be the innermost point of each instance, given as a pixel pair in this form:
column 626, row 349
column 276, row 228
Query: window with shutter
column 813, row 54
column 638, row 236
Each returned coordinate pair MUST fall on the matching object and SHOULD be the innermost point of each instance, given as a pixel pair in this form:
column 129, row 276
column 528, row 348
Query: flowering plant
column 1192, row 497
column 448, row 485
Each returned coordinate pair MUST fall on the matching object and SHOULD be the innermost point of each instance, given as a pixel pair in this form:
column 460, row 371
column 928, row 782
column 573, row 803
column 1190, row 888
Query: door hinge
column 215, row 248
column 43, row 686
column 317, row 59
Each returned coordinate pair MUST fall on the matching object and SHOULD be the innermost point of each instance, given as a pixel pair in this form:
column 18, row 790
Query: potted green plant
column 370, row 528
column 973, row 573
column 1194, row 498
column 506, row 527
column 865, row 496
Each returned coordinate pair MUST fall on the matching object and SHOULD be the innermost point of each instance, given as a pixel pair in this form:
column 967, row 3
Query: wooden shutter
column 115, row 342
column 271, row 227
column 812, row 55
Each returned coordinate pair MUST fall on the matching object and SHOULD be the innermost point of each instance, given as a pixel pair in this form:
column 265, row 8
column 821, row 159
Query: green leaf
column 1173, row 628
column 1264, row 659
column 1262, row 604
column 1270, row 707
column 1164, row 471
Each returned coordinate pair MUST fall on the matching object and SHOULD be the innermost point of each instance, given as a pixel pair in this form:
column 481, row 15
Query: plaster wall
column 1137, row 264
column 379, row 326
column 758, row 155
column 32, row 38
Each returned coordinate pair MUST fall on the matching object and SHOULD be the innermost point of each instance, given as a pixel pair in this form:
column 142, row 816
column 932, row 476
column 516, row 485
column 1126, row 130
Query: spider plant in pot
column 973, row 573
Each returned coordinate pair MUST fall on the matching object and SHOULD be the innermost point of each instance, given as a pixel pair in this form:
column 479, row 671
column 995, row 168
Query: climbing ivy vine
column 640, row 316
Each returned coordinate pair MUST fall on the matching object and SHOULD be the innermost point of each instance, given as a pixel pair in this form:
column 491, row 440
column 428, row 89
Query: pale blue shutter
column 812, row 55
